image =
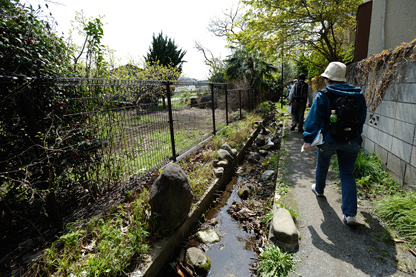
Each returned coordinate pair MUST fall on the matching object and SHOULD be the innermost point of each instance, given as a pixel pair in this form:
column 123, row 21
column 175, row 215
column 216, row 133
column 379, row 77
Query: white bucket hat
column 335, row 71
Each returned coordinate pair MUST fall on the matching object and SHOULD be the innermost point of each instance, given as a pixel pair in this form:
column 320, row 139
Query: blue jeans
column 347, row 153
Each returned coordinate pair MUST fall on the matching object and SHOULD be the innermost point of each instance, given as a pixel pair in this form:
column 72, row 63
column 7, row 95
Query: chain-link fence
column 74, row 135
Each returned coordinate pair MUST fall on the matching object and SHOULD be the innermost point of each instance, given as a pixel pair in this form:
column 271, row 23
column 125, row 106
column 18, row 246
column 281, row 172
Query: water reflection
column 233, row 254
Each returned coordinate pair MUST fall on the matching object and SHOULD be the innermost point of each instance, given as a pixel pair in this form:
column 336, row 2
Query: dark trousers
column 298, row 114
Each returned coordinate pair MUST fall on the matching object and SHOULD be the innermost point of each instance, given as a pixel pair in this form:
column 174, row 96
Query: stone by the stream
column 267, row 175
column 254, row 157
column 244, row 192
column 263, row 152
column 225, row 155
column 222, row 163
column 170, row 198
column 228, row 148
column 198, row 259
column 208, row 236
column 283, row 231
column 261, row 140
column 218, row 171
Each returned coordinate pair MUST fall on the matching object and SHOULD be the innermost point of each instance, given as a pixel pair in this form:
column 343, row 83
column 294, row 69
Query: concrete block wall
column 390, row 130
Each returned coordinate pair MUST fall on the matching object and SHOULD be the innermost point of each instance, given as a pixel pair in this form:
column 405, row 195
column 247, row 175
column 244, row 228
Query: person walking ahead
column 342, row 137
column 299, row 95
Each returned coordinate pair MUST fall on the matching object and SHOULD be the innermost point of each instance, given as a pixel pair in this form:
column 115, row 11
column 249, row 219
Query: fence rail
column 73, row 135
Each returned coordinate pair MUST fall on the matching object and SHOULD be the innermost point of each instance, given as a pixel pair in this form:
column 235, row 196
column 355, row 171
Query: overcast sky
column 130, row 25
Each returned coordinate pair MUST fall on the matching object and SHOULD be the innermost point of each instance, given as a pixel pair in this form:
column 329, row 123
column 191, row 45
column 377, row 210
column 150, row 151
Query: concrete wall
column 390, row 130
column 392, row 22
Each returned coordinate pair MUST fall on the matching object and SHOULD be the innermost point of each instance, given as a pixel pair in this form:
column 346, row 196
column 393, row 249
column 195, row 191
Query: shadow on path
column 355, row 245
column 328, row 247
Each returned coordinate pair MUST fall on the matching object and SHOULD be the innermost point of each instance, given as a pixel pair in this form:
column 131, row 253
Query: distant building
column 383, row 25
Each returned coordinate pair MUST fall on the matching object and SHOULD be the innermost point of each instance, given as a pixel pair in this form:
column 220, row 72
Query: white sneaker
column 349, row 220
column 314, row 191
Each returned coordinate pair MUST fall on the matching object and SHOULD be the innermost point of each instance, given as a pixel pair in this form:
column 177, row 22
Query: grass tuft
column 399, row 213
column 275, row 262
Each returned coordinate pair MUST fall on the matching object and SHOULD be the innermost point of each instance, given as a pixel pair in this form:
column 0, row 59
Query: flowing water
column 233, row 254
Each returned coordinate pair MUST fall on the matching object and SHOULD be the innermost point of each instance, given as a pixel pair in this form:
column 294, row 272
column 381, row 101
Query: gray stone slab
column 387, row 108
column 413, row 158
column 391, row 93
column 365, row 127
column 372, row 133
column 404, row 131
column 410, row 73
column 406, row 93
column 382, row 153
column 401, row 149
column 386, row 124
column 384, row 140
column 406, row 112
column 396, row 165
column 397, row 178
column 368, row 145
column 410, row 178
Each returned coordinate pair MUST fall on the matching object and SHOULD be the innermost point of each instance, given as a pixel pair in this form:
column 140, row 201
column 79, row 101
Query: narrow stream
column 232, row 255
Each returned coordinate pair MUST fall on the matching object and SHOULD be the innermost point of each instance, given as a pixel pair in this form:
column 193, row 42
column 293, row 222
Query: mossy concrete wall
column 390, row 129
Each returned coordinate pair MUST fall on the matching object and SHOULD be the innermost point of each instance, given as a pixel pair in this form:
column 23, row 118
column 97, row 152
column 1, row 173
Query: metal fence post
column 172, row 133
column 241, row 105
column 249, row 100
column 213, row 108
column 226, row 104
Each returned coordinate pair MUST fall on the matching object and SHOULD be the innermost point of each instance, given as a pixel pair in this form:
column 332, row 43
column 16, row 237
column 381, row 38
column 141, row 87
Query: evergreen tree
column 165, row 52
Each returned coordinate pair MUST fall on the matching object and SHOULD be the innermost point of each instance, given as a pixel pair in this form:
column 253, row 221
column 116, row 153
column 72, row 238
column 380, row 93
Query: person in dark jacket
column 298, row 102
column 318, row 119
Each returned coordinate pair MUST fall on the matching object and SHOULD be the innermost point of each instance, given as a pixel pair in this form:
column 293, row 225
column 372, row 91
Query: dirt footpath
column 327, row 246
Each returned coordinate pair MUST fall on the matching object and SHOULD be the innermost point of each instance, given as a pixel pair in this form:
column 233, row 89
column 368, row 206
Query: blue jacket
column 318, row 117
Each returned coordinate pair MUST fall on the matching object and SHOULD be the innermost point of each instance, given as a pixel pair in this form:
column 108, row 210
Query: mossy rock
column 199, row 260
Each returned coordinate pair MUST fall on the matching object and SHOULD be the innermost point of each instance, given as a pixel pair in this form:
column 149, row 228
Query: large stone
column 263, row 152
column 218, row 171
column 267, row 175
column 261, row 140
column 170, row 198
column 199, row 260
column 245, row 191
column 208, row 236
column 253, row 157
column 283, row 231
column 225, row 155
column 228, row 148
column 223, row 164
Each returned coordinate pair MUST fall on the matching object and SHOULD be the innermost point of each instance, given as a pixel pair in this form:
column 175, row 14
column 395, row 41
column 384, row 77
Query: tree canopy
column 321, row 27
column 165, row 52
column 251, row 67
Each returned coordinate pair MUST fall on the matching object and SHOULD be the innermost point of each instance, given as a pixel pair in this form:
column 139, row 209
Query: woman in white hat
column 347, row 150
